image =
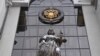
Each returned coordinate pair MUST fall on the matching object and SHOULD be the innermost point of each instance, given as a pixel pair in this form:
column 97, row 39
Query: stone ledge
column 81, row 2
column 21, row 3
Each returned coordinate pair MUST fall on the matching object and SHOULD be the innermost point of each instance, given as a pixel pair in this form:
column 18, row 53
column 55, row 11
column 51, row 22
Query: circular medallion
column 51, row 16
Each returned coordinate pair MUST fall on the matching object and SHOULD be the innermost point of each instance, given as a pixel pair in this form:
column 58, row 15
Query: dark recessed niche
column 80, row 16
column 31, row 1
column 22, row 21
column 71, row 1
column 0, row 35
column 15, row 42
column 24, row 8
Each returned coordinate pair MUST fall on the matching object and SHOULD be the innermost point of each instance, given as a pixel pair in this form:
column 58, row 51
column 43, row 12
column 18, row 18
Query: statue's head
column 51, row 32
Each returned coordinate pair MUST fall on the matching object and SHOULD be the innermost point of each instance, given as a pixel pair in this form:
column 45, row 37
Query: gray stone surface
column 70, row 31
column 32, row 20
column 72, row 53
column 70, row 20
column 85, row 52
column 82, row 31
column 43, row 30
column 76, row 11
column 77, row 41
column 72, row 42
column 30, row 43
column 29, row 53
column 33, row 11
column 31, row 31
column 20, row 34
column 66, row 1
column 68, row 10
column 19, row 44
column 17, row 53
column 57, row 29
column 63, row 53
column 83, row 42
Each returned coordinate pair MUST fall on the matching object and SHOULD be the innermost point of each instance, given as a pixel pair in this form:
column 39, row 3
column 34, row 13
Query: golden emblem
column 51, row 13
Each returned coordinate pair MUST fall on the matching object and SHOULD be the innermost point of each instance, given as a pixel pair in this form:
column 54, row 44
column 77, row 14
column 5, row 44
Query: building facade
column 10, row 12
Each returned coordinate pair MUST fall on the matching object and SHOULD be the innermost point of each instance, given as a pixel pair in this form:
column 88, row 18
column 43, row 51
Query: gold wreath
column 51, row 13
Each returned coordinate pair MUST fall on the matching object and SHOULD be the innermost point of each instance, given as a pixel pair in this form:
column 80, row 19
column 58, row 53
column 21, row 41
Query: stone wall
column 2, row 12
